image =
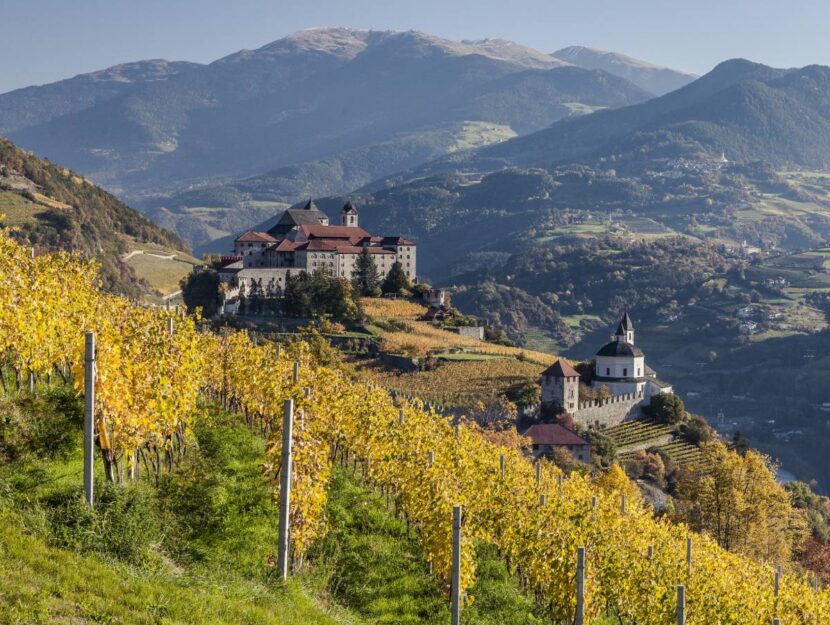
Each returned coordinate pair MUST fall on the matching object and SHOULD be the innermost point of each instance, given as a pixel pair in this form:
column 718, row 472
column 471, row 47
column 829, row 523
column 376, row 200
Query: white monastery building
column 302, row 240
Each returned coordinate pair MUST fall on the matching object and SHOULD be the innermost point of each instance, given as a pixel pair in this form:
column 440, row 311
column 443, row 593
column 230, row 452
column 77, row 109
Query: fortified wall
column 603, row 413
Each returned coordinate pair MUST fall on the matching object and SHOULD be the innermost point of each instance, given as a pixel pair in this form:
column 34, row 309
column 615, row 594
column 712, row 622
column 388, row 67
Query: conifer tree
column 365, row 278
column 396, row 280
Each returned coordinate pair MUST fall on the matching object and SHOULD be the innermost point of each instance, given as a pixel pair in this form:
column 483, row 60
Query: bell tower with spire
column 348, row 215
column 625, row 330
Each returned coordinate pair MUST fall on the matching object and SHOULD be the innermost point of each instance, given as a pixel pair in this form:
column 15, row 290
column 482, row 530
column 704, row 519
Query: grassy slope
column 205, row 555
column 39, row 584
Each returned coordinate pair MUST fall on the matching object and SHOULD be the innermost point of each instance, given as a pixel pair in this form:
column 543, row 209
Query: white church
column 619, row 368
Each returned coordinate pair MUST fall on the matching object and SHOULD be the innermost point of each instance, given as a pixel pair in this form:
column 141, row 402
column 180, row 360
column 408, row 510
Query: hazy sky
column 46, row 40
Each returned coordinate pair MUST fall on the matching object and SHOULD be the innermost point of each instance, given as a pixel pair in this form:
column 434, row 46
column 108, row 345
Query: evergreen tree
column 255, row 297
column 365, row 278
column 202, row 289
column 396, row 280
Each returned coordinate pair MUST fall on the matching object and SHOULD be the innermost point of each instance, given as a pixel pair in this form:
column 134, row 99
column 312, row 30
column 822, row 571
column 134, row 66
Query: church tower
column 349, row 214
column 625, row 330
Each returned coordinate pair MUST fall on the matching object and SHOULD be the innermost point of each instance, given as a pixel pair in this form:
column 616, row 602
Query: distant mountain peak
column 151, row 69
column 350, row 43
column 653, row 78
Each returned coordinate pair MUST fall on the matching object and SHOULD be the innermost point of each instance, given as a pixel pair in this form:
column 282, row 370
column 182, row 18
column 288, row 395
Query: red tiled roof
column 255, row 237
column 320, row 245
column 285, row 246
column 561, row 369
column 553, row 434
column 354, row 249
column 333, row 232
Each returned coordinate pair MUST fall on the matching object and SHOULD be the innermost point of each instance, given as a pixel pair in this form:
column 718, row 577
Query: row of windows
column 625, row 372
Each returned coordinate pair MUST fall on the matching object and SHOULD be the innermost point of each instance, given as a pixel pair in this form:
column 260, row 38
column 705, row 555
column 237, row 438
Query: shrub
column 667, row 408
column 697, row 431
column 125, row 522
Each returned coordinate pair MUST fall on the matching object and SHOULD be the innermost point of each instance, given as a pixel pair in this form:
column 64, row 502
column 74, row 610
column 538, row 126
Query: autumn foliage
column 149, row 383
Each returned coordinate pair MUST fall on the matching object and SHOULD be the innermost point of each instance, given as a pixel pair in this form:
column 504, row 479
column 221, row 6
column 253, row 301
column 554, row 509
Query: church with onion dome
column 621, row 380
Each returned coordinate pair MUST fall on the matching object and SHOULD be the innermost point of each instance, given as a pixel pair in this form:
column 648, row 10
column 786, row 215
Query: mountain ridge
column 304, row 97
column 654, row 78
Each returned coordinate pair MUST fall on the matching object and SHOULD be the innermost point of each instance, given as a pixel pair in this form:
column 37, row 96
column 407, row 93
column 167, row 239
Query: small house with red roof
column 545, row 437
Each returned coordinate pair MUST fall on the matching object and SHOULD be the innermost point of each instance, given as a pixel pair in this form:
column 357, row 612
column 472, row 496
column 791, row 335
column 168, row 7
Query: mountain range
column 321, row 111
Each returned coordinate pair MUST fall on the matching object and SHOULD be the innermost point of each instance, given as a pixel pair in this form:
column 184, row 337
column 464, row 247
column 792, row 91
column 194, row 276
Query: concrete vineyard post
column 89, row 415
column 681, row 605
column 455, row 587
column 650, row 552
column 593, row 502
column 296, row 377
column 430, row 459
column 543, row 499
column 170, row 326
column 579, row 618
column 285, row 487
column 501, row 467
column 400, row 417
column 622, row 504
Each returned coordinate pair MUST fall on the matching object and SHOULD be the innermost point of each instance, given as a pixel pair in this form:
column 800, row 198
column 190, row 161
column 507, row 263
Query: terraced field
column 681, row 452
column 637, row 431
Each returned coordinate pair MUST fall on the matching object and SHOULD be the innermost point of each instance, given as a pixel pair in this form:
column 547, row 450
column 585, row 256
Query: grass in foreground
column 196, row 549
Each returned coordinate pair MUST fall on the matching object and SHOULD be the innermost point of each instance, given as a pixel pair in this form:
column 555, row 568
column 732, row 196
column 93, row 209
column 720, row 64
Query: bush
column 125, row 522
column 697, row 431
column 667, row 408
column 603, row 448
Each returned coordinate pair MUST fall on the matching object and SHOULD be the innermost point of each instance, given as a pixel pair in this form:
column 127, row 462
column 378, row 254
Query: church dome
column 619, row 348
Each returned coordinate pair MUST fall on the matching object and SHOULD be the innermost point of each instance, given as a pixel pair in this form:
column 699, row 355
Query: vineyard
column 151, row 378
column 636, row 431
column 460, row 383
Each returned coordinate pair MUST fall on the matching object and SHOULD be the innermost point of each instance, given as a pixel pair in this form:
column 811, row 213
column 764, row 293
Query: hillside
column 282, row 104
column 747, row 110
column 339, row 107
column 53, row 208
column 652, row 78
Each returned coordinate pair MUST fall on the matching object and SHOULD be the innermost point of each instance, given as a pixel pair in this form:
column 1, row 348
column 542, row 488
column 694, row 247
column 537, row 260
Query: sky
column 47, row 40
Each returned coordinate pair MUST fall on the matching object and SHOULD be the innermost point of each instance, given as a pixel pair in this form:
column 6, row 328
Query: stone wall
column 404, row 363
column 604, row 413
column 475, row 332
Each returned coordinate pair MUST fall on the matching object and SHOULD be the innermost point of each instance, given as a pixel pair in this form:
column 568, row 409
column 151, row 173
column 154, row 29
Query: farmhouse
column 302, row 240
column 545, row 437
column 619, row 375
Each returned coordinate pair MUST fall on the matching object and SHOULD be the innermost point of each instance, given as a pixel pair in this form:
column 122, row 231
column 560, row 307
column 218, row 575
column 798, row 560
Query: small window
column 625, row 372
column 607, row 371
